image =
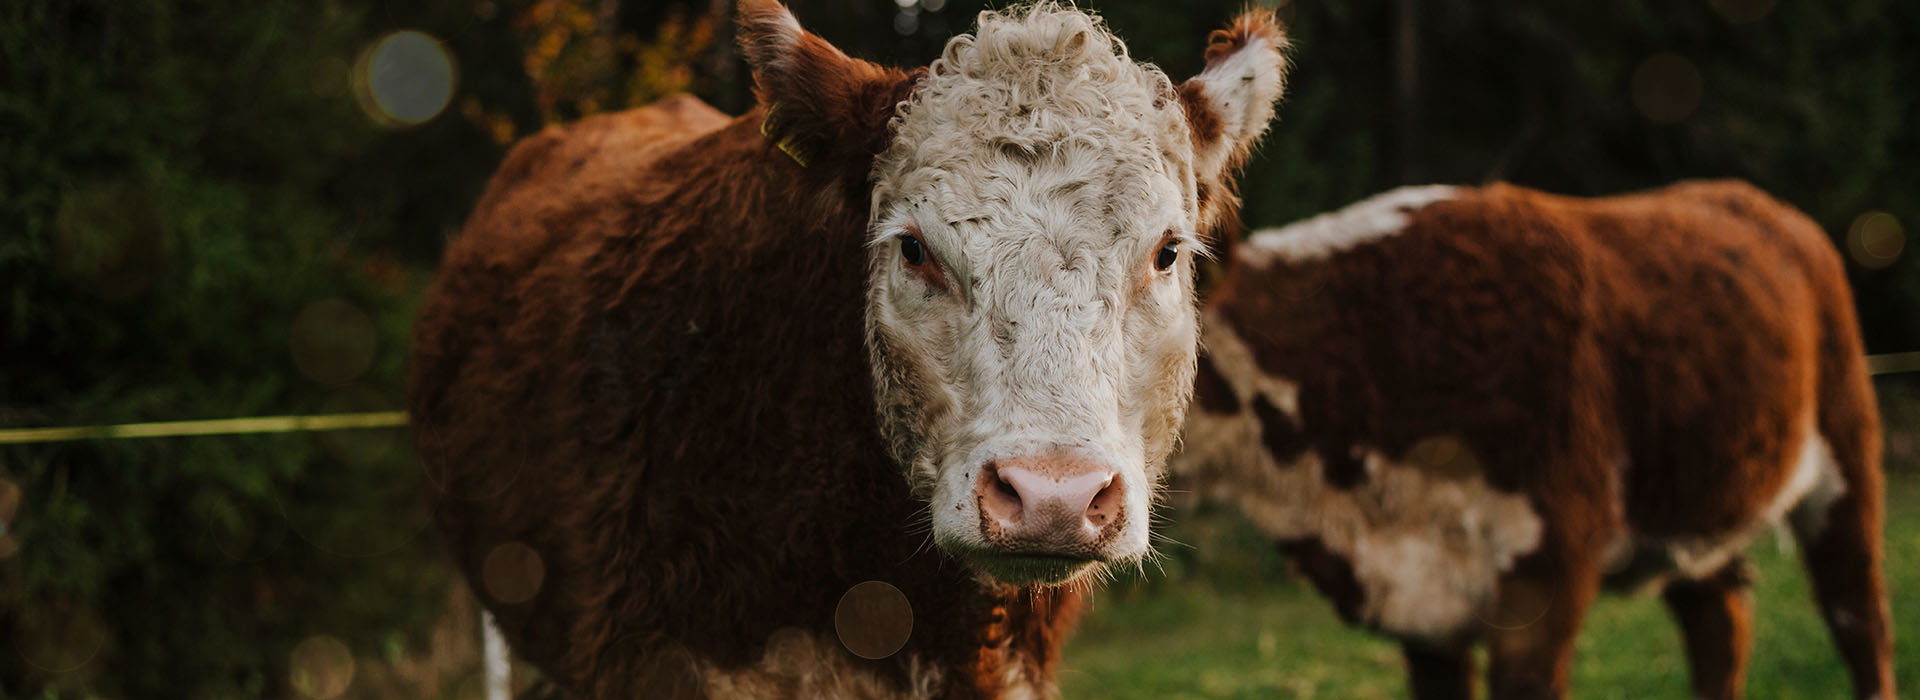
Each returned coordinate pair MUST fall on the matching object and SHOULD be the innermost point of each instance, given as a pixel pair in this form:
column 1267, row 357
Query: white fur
column 1042, row 168
column 782, row 34
column 1804, row 499
column 1363, row 222
column 1242, row 89
column 790, row 30
column 1816, row 485
column 1814, row 470
column 1802, row 502
column 1427, row 548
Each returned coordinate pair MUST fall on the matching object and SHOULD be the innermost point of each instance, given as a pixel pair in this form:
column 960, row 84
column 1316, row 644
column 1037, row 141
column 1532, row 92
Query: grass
column 1227, row 621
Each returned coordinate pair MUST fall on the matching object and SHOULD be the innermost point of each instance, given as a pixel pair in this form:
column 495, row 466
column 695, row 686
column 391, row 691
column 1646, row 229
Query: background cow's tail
column 1843, row 544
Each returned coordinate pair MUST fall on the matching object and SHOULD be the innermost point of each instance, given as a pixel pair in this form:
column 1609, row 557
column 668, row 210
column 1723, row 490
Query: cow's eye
column 1169, row 254
column 913, row 251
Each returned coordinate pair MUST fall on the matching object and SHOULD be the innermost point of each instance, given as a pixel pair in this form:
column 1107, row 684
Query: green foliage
column 180, row 182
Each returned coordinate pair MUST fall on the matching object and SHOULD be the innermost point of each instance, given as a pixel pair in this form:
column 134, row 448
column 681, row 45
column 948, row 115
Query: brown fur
column 607, row 311
column 835, row 126
column 641, row 361
column 1638, row 366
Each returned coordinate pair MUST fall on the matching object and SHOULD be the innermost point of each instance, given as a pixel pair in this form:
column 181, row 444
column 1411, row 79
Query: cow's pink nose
column 1050, row 505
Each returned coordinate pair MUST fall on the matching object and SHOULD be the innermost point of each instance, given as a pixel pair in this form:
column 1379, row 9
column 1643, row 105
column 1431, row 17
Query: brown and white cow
column 1462, row 410
column 687, row 382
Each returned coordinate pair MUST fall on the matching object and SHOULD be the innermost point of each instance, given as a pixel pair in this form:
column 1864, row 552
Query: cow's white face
column 1034, row 213
column 1045, row 336
column 1031, row 314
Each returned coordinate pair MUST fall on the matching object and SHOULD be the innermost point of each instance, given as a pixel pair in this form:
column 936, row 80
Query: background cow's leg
column 1535, row 619
column 1841, row 536
column 1716, row 621
column 1843, row 560
column 1439, row 673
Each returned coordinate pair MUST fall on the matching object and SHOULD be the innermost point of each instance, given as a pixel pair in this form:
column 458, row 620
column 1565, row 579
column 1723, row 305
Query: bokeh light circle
column 1876, row 239
column 488, row 469
column 110, row 239
column 512, row 573
column 330, row 77
column 222, row 524
column 1742, row 11
column 58, row 635
column 321, row 668
column 332, row 341
column 1444, row 455
column 787, row 641
column 1667, row 88
column 668, row 671
column 404, row 78
column 10, row 499
column 375, row 529
column 472, row 686
column 359, row 447
column 874, row 619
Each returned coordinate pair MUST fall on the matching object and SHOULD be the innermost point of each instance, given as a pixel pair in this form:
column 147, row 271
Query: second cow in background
column 1462, row 411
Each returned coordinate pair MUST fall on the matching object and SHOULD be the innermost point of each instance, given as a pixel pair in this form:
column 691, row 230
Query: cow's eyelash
column 1190, row 242
column 888, row 237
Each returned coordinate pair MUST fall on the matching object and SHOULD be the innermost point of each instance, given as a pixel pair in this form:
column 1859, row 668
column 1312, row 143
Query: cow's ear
column 1230, row 103
column 823, row 108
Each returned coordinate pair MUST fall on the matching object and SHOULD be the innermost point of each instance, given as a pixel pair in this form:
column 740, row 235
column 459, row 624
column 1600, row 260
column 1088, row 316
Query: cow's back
column 570, row 168
column 1682, row 328
column 1459, row 317
column 1716, row 303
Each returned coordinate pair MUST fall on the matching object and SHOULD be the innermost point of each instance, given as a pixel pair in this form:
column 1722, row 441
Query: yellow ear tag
column 786, row 145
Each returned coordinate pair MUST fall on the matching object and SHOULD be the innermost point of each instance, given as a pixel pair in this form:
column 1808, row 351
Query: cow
column 1463, row 411
column 852, row 395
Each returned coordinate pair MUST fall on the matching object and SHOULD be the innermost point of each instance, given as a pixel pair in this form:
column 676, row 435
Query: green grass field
column 1225, row 620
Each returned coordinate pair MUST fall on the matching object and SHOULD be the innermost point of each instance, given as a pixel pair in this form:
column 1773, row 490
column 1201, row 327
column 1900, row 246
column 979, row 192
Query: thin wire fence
column 496, row 665
column 218, row 426
column 1887, row 363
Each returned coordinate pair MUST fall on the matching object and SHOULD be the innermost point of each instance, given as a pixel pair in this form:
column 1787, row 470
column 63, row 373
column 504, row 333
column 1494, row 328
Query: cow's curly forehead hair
column 1032, row 79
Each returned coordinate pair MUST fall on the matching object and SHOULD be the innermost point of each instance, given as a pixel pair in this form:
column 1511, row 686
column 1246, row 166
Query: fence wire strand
column 1888, row 363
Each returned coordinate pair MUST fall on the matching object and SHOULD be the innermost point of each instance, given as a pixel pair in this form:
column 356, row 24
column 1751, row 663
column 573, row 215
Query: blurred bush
column 199, row 226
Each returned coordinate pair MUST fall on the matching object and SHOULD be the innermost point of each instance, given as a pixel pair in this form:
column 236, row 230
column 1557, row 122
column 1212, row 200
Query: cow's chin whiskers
column 1042, row 571
column 1028, row 569
column 1039, row 571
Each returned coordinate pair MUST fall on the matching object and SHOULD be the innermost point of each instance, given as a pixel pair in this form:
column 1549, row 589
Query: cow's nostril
column 1006, row 489
column 1000, row 500
column 1105, row 504
column 1049, row 503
